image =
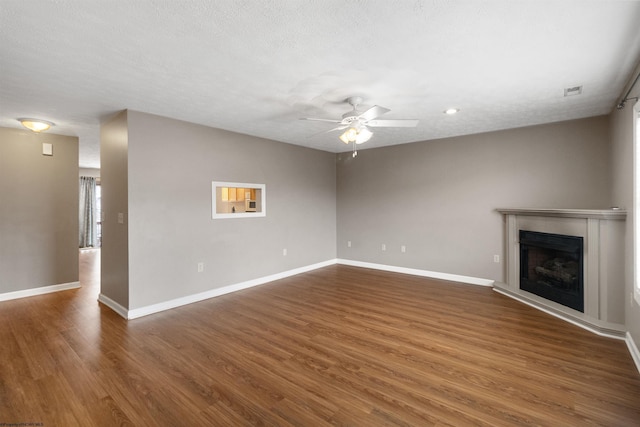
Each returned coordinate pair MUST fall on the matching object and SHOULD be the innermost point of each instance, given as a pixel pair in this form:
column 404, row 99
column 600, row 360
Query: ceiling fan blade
column 327, row 131
column 338, row 128
column 399, row 123
column 321, row 120
column 373, row 112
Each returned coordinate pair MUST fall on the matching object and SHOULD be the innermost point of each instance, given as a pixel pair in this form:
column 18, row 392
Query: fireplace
column 596, row 242
column 551, row 266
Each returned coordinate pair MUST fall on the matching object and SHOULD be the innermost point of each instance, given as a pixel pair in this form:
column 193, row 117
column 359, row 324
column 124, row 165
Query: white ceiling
column 257, row 66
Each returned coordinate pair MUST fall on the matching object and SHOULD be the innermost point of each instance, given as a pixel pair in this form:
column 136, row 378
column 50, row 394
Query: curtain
column 88, row 224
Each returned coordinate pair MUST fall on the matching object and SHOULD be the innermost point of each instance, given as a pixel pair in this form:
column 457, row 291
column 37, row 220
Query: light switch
column 47, row 149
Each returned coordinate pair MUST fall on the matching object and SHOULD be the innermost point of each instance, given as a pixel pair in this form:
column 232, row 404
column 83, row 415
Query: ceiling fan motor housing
column 350, row 117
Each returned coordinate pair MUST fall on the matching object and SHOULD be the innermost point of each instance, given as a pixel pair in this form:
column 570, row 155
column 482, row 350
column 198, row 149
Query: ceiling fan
column 357, row 123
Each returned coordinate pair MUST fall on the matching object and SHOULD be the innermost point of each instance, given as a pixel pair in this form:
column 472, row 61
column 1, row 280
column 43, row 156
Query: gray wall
column 38, row 210
column 622, row 190
column 171, row 165
column 438, row 198
column 114, row 255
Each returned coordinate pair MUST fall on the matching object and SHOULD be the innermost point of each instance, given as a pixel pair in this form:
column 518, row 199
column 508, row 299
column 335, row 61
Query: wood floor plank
column 336, row 346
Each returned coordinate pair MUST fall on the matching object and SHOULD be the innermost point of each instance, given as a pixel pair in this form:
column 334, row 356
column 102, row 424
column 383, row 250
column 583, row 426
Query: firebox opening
column 551, row 266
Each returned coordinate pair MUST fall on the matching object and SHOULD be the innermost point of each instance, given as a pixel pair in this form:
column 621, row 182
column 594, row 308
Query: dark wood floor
column 336, row 346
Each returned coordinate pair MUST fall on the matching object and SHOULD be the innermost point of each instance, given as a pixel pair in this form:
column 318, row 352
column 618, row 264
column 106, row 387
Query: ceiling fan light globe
column 363, row 136
column 344, row 138
column 349, row 135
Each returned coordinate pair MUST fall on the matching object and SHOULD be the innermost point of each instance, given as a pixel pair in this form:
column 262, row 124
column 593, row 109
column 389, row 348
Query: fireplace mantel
column 603, row 234
column 613, row 213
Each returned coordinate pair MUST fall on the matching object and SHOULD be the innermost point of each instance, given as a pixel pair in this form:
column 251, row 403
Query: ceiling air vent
column 570, row 91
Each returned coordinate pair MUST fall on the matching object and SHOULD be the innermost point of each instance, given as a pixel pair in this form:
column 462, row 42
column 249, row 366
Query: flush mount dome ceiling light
column 36, row 125
column 451, row 111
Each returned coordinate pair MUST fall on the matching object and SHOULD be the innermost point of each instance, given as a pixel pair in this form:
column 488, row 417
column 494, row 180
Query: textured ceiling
column 256, row 67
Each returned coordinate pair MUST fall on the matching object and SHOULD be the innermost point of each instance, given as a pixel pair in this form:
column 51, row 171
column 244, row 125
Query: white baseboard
column 416, row 272
column 190, row 299
column 113, row 305
column 633, row 349
column 39, row 291
column 604, row 330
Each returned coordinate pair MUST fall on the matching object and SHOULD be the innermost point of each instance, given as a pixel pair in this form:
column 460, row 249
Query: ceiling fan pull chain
column 355, row 150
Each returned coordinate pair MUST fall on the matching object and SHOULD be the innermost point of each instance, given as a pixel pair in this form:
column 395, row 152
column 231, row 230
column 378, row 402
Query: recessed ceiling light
column 451, row 111
column 36, row 125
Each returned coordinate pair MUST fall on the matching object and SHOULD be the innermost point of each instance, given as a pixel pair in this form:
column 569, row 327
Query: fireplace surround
column 589, row 254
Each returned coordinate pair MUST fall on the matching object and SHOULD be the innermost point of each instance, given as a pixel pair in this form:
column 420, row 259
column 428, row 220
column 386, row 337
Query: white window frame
column 263, row 200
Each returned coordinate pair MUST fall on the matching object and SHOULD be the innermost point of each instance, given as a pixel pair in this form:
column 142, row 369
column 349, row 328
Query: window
column 99, row 212
column 636, row 201
column 237, row 200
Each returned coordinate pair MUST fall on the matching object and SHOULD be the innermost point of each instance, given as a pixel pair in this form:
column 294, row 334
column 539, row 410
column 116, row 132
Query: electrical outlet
column 403, row 249
column 496, row 258
column 200, row 267
column 120, row 218
column 348, row 243
column 384, row 247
